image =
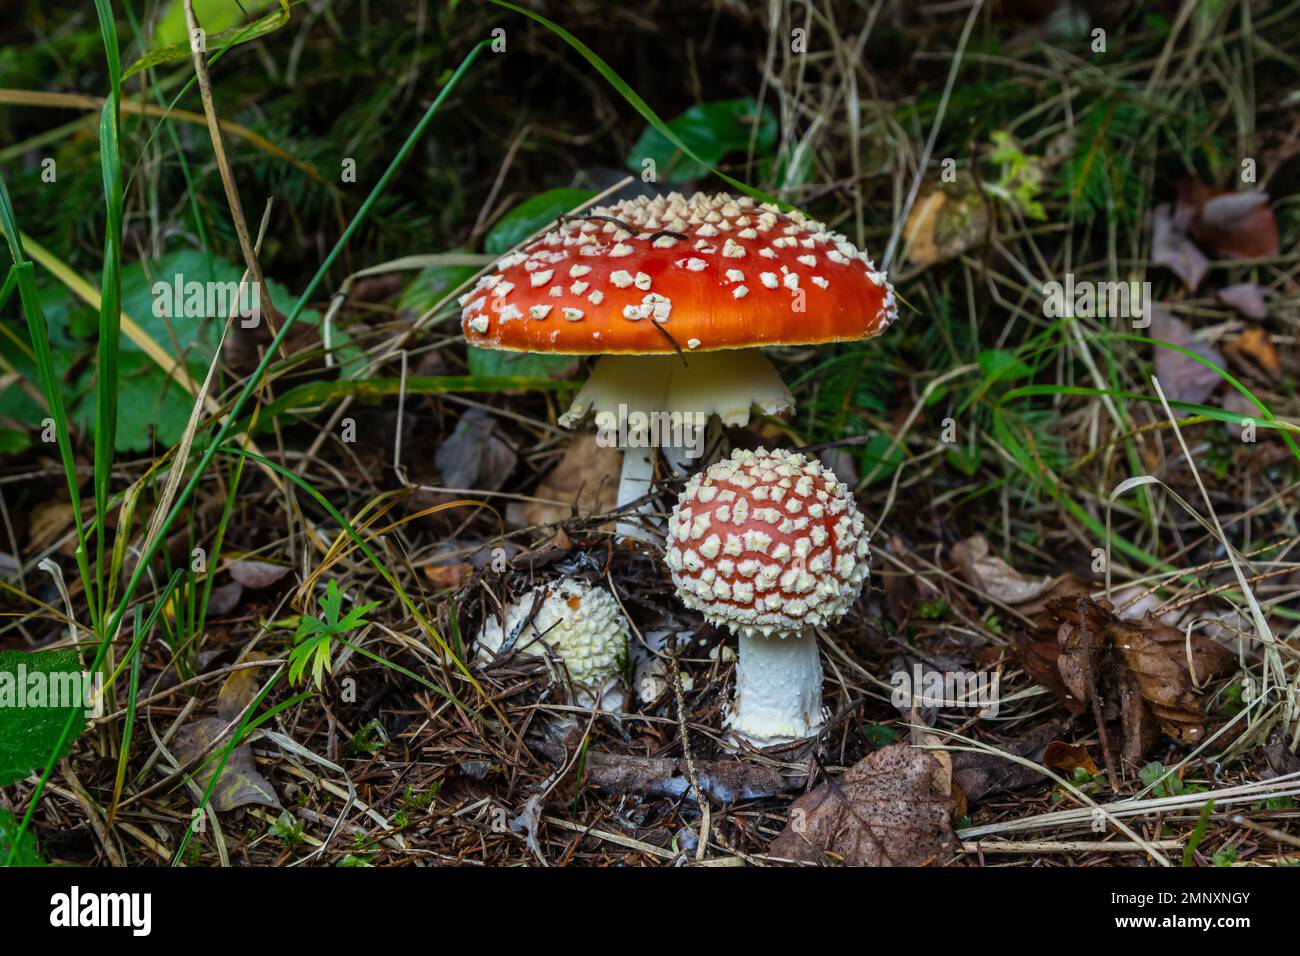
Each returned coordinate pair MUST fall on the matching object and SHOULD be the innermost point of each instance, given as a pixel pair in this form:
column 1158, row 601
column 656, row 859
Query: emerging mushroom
column 771, row 545
column 678, row 295
column 580, row 624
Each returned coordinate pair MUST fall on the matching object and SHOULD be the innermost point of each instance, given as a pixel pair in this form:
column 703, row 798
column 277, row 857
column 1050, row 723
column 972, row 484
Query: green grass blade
column 253, row 382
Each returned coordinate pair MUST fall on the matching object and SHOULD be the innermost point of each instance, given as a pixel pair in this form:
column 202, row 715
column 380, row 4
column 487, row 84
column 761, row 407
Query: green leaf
column 530, row 216
column 30, row 683
column 1198, row 834
column 496, row 363
column 431, row 285
column 13, row 441
column 876, row 453
column 152, row 407
column 179, row 49
column 1002, row 365
column 712, row 131
column 27, row 854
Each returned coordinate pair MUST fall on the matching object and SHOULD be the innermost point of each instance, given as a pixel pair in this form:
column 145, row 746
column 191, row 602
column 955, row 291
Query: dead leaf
column 1081, row 643
column 1247, row 298
column 1255, row 345
column 257, row 574
column 224, row 598
column 239, row 689
column 1040, row 657
column 886, row 810
column 1229, row 224
column 981, row 774
column 240, row 784
column 1182, row 377
column 1280, row 760
column 1068, row 757
column 992, row 575
column 1158, row 657
column 1143, row 664
column 1171, row 247
column 586, row 479
column 475, row 457
column 448, row 575
column 51, row 520
column 943, row 224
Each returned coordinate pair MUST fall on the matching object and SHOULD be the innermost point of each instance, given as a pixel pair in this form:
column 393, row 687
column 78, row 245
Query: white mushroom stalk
column 577, row 624
column 770, row 545
column 665, row 401
column 649, row 281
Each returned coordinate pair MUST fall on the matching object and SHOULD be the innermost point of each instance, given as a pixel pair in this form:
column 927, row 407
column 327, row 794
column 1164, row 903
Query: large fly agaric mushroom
column 770, row 545
column 678, row 295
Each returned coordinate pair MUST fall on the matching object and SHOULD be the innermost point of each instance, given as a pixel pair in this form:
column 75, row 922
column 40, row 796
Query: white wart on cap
column 767, row 542
column 647, row 276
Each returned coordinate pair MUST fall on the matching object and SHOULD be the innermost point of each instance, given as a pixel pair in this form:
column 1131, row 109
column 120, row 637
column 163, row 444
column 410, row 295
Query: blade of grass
column 1198, row 834
column 250, row 386
column 110, row 328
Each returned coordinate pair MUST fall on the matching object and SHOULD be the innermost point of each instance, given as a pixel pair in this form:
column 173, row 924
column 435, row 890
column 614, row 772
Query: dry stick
column 1272, row 833
column 1094, row 699
column 1066, row 846
column 223, row 165
column 701, row 798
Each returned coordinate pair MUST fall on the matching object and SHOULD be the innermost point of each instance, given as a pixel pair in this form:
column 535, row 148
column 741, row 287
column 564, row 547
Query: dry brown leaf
column 1139, row 726
column 886, row 810
column 943, row 224
column 981, row 774
column 994, row 576
column 1040, row 657
column 448, row 575
column 239, row 784
column 474, row 456
column 50, row 520
column 1229, row 224
column 1143, row 664
column 239, row 689
column 1081, row 644
column 586, row 478
column 1158, row 657
column 1068, row 757
column 224, row 599
column 1255, row 345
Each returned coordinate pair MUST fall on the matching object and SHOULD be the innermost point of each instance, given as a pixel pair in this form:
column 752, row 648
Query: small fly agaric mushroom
column 771, row 545
column 678, row 295
column 580, row 624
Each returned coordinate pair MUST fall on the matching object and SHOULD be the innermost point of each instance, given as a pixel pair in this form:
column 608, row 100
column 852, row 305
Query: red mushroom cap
column 714, row 272
column 767, row 541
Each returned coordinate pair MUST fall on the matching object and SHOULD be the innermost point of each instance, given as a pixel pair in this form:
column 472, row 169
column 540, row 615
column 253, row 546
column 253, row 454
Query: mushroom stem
column 778, row 688
column 633, row 483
